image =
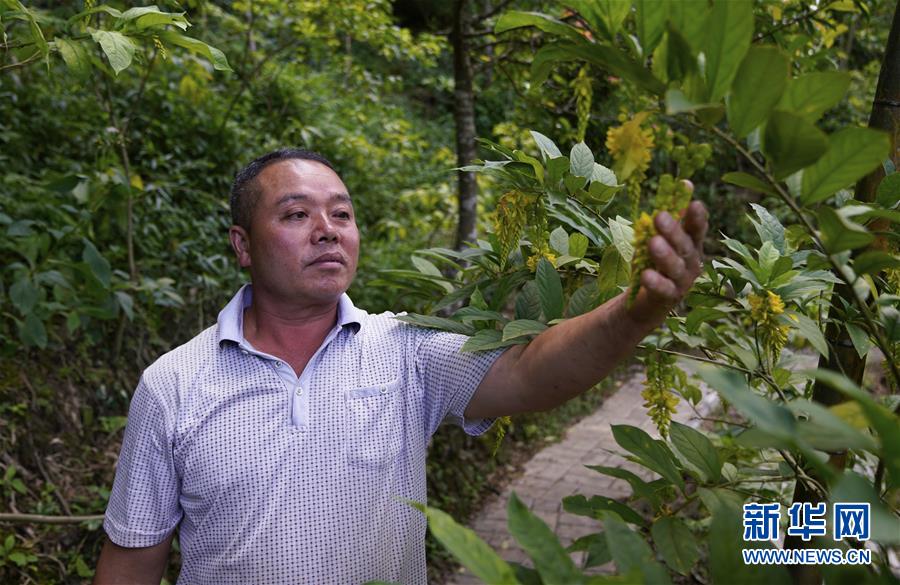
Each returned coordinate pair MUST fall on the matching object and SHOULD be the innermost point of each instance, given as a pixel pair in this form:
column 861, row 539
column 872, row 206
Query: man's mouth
column 329, row 260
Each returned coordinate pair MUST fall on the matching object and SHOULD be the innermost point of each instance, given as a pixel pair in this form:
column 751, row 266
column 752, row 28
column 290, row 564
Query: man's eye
column 298, row 213
column 343, row 215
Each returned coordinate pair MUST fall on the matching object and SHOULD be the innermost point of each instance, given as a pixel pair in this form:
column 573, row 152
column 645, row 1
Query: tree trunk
column 885, row 116
column 464, row 116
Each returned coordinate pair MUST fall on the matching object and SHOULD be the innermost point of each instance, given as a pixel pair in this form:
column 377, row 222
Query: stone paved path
column 559, row 471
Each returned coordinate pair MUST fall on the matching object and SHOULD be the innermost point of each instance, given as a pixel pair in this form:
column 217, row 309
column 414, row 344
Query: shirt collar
column 231, row 318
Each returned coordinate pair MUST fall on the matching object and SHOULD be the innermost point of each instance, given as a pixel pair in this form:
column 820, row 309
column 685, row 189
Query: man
column 279, row 439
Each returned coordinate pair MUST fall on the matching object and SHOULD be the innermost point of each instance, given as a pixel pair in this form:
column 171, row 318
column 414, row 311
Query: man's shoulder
column 182, row 364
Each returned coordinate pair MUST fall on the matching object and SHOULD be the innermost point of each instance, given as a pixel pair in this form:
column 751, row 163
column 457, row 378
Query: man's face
column 303, row 242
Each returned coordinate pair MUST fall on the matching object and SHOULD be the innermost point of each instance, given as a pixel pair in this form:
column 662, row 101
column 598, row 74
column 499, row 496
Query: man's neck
column 270, row 326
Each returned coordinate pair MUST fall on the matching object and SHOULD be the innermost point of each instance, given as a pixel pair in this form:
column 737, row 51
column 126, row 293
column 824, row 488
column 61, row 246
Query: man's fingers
column 659, row 287
column 667, row 260
column 696, row 223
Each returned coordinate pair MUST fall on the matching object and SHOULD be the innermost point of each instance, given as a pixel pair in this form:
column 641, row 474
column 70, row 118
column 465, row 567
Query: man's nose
column 324, row 229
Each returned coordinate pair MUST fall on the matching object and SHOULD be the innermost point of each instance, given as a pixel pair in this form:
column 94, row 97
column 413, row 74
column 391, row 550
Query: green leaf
column 517, row 19
column 769, row 228
column 852, row 487
column 839, row 233
column 145, row 17
column 768, row 416
column 127, row 303
column 583, row 300
column 594, row 508
column 75, row 56
column 581, row 160
column 650, row 21
column 689, row 18
column 725, row 560
column 852, row 154
column 728, row 36
column 559, row 240
column 466, row 546
column 860, row 338
column 488, row 339
column 118, row 48
column 758, row 86
column 885, row 423
column 639, row 487
column 810, row 331
column 622, row 235
column 32, row 331
column 811, row 95
column 790, row 143
column 24, row 295
column 528, row 302
column 578, row 245
column 603, row 56
column 653, row 454
column 888, row 192
column 215, row 56
column 550, row 289
column 631, row 552
column 614, row 272
column 676, row 543
column 18, row 558
column 433, row 322
column 874, row 261
column 697, row 449
column 536, row 539
column 820, row 428
column 595, row 546
column 99, row 265
column 748, row 181
column 549, row 150
column 522, row 328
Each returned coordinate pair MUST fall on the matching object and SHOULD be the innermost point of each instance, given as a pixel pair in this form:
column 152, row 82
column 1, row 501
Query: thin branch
column 788, row 23
column 44, row 519
column 30, row 59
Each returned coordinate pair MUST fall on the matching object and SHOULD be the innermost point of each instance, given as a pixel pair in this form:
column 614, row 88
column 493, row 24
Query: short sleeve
column 449, row 378
column 144, row 504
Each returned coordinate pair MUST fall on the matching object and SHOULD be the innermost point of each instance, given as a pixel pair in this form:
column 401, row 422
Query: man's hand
column 677, row 254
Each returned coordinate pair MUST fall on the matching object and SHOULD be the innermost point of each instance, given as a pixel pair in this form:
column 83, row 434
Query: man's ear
column 240, row 242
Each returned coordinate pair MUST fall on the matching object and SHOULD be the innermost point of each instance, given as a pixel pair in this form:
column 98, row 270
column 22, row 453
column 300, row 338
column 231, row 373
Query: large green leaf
column 652, row 453
column 23, row 294
column 852, row 487
column 874, row 261
column 614, row 272
column 840, row 233
column 466, row 546
column 810, row 331
column 99, row 265
column 639, row 487
column 537, row 539
column 604, row 16
column 32, row 331
column 603, row 56
column 215, row 56
column 822, row 429
column 631, row 553
column 888, row 192
column 517, row 19
column 149, row 16
column 766, row 415
column 433, row 322
column 811, row 95
column 697, row 449
column 528, row 302
column 689, row 18
column 791, row 143
column 75, row 56
column 852, row 154
column 758, row 86
column 548, row 148
column 728, row 37
column 596, row 548
column 118, row 48
column 581, row 161
column 650, row 20
column 522, row 328
column 550, row 289
column 725, row 561
column 597, row 505
column 676, row 543
column 748, row 181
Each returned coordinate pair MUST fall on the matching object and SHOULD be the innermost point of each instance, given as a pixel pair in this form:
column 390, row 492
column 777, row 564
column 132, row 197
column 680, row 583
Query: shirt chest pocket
column 374, row 425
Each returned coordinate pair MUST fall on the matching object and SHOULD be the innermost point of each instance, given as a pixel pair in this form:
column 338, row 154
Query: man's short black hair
column 245, row 192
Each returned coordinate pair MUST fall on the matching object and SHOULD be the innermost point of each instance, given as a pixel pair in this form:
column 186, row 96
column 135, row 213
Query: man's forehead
column 296, row 179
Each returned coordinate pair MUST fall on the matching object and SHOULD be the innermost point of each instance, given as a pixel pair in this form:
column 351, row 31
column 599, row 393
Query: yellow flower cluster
column 630, row 146
column 509, row 221
column 764, row 312
column 543, row 252
column 660, row 401
column 644, row 229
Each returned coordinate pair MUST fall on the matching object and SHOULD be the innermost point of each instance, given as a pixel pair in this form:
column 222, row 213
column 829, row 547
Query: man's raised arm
column 567, row 359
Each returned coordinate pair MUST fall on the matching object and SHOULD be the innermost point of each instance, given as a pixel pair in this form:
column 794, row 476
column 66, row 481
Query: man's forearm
column 567, row 359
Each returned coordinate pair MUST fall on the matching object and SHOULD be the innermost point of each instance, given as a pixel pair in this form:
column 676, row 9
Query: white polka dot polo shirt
column 274, row 479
